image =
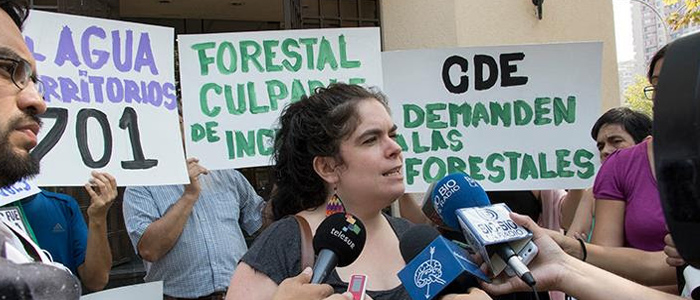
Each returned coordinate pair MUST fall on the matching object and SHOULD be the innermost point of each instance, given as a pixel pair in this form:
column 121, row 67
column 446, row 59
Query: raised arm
column 94, row 272
column 161, row 235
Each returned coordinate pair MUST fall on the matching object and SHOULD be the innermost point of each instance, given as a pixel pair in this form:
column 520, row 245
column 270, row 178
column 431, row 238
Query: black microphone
column 415, row 239
column 419, row 237
column 338, row 242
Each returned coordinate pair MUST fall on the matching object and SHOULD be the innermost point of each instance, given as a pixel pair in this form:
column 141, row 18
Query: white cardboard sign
column 511, row 117
column 111, row 97
column 235, row 85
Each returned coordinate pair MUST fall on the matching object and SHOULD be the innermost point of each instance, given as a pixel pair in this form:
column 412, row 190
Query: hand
column 472, row 294
column 569, row 244
column 577, row 235
column 344, row 296
column 194, row 170
column 546, row 267
column 102, row 189
column 299, row 288
column 674, row 258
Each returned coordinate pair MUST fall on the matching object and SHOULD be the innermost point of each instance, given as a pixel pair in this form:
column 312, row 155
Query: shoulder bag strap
column 307, row 249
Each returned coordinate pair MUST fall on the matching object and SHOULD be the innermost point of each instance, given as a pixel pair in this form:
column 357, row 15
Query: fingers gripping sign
column 194, row 169
column 102, row 188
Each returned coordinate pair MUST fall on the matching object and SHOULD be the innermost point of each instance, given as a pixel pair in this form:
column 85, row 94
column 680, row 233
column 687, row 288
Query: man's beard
column 13, row 166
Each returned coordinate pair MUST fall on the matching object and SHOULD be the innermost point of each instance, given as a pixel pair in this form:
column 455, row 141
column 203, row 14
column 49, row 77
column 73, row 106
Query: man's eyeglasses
column 649, row 92
column 20, row 72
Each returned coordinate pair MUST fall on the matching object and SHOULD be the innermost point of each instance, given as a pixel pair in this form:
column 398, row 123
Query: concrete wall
column 415, row 24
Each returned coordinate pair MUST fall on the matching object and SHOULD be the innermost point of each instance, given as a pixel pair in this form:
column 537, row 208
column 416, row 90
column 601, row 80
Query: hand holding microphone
column 462, row 204
column 298, row 287
column 547, row 267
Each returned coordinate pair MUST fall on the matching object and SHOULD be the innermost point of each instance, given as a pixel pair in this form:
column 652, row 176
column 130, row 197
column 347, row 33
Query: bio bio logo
column 487, row 214
column 446, row 190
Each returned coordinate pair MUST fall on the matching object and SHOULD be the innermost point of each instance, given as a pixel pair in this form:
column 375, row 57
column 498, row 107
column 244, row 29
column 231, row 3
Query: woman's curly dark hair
column 313, row 126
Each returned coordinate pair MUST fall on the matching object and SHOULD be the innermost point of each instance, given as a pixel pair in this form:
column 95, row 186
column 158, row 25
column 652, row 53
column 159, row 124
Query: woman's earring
column 335, row 205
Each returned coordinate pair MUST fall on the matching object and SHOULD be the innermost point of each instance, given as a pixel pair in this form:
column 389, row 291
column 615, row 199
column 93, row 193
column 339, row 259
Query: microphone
column 435, row 266
column 415, row 239
column 338, row 242
column 463, row 203
column 428, row 208
column 455, row 191
column 429, row 211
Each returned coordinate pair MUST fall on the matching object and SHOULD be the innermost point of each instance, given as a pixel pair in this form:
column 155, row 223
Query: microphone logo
column 487, row 214
column 351, row 226
column 429, row 272
column 472, row 182
column 444, row 192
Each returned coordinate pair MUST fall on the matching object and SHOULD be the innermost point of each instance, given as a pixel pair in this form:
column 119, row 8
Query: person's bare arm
column 569, row 206
column 410, row 210
column 161, row 235
column 609, row 225
column 94, row 271
column 648, row 268
column 555, row 270
column 583, row 219
column 246, row 283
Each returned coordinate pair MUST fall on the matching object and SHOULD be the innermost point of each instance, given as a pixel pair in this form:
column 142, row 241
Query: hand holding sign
column 102, row 189
column 194, row 169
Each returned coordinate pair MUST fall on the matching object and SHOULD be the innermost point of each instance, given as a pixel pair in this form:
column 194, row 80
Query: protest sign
column 143, row 291
column 111, row 100
column 511, row 117
column 19, row 190
column 235, row 85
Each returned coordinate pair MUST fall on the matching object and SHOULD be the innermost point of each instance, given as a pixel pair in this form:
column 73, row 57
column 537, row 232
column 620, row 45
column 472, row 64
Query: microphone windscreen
column 428, row 208
column 456, row 191
column 415, row 239
column 343, row 234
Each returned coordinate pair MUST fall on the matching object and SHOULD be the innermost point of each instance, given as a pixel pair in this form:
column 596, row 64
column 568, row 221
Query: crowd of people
column 334, row 151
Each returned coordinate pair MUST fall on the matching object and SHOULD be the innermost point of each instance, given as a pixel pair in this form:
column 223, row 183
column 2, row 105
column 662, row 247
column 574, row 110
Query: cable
column 513, row 260
column 534, row 290
column 529, row 279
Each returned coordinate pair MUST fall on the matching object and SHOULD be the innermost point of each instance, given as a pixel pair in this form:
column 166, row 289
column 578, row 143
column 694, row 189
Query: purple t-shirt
column 626, row 176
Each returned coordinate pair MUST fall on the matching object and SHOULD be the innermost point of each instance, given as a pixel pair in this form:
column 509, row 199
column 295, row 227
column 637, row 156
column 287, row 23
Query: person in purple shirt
column 628, row 209
column 630, row 213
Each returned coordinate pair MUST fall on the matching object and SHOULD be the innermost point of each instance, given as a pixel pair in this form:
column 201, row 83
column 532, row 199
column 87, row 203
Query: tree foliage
column 635, row 99
column 687, row 14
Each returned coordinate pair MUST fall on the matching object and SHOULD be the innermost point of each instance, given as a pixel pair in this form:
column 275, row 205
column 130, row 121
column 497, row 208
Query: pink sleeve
column 551, row 208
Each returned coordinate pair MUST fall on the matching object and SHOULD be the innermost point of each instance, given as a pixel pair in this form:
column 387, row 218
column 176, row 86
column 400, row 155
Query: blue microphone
column 435, row 266
column 453, row 192
column 463, row 204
